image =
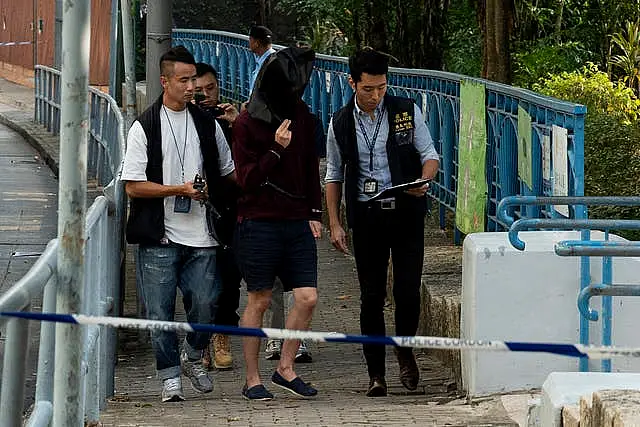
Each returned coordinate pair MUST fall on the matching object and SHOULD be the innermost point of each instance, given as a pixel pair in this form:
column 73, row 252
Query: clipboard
column 397, row 189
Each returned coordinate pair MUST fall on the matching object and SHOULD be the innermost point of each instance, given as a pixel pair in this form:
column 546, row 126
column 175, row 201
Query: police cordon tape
column 14, row 43
column 435, row 343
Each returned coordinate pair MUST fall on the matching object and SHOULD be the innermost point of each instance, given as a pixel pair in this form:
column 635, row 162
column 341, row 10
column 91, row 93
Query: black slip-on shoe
column 295, row 386
column 257, row 392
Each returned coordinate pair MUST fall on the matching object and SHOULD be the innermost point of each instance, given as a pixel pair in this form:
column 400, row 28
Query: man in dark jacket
column 280, row 209
column 375, row 142
column 170, row 144
column 218, row 354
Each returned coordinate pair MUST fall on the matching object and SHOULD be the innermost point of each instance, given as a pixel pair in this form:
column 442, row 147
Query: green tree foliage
column 536, row 60
column 463, row 40
column 628, row 61
column 593, row 88
column 612, row 136
column 413, row 32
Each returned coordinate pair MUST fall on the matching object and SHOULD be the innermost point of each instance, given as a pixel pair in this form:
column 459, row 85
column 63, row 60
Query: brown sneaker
column 222, row 352
column 206, row 356
column 409, row 374
column 377, row 387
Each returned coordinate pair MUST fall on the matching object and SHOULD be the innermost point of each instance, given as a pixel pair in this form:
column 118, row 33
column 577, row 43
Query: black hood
column 280, row 85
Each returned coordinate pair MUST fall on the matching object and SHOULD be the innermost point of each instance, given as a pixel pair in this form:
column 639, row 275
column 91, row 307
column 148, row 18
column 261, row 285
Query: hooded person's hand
column 283, row 134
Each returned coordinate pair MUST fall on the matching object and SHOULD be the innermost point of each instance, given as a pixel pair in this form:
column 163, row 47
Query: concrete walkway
column 338, row 370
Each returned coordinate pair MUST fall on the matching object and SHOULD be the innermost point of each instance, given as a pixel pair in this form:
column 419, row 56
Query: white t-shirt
column 189, row 229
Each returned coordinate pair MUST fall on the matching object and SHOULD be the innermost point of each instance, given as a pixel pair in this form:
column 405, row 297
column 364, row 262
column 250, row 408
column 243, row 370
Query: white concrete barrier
column 532, row 295
column 566, row 388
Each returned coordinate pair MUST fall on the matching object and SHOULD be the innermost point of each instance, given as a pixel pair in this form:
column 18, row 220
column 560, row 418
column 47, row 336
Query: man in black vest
column 169, row 144
column 373, row 143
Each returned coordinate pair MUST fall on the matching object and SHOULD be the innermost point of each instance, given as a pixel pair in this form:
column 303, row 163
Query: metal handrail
column 567, row 224
column 437, row 93
column 597, row 248
column 104, row 258
column 583, row 248
column 603, row 289
column 507, row 219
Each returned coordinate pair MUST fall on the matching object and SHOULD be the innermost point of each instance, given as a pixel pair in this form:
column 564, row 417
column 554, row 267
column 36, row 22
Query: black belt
column 385, row 205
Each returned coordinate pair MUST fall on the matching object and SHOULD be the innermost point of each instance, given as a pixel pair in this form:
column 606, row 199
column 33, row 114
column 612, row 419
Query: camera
column 198, row 183
column 199, row 97
column 217, row 111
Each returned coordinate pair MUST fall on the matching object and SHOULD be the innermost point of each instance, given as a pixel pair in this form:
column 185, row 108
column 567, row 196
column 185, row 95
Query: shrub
column 531, row 62
column 612, row 138
column 593, row 88
column 612, row 166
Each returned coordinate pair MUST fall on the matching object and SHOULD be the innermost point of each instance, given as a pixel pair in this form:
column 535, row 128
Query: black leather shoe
column 377, row 387
column 409, row 374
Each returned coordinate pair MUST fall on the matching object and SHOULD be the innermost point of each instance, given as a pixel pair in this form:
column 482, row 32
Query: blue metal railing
column 103, row 258
column 584, row 248
column 438, row 94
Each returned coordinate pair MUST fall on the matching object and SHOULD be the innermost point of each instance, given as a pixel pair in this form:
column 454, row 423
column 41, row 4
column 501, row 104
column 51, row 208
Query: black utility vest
column 404, row 159
column 146, row 217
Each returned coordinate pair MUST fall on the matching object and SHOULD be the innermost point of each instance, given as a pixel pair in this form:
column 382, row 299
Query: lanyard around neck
column 371, row 143
column 175, row 141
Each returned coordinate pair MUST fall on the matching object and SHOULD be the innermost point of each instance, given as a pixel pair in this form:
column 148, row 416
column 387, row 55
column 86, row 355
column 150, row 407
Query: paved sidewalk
column 17, row 106
column 338, row 370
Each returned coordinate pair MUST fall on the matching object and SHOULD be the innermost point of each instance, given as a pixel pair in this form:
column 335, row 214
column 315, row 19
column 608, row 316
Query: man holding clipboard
column 379, row 147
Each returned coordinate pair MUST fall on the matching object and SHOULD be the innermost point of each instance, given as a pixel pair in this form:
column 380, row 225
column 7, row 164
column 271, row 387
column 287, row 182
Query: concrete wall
column 511, row 295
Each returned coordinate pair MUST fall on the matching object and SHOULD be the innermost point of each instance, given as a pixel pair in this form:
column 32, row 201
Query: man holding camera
column 170, row 143
column 218, row 354
column 207, row 97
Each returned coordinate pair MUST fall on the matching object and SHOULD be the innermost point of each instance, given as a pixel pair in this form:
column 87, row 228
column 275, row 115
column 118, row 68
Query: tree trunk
column 498, row 18
column 376, row 13
column 262, row 13
column 432, row 34
column 481, row 8
column 558, row 26
column 401, row 44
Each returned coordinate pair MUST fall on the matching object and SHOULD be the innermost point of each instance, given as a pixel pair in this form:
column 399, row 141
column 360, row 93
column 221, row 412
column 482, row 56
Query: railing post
column 68, row 410
column 44, row 380
column 15, row 359
column 607, row 306
column 581, row 213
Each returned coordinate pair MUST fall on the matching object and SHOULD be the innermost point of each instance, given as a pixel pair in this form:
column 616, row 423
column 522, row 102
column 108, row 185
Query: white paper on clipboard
column 560, row 167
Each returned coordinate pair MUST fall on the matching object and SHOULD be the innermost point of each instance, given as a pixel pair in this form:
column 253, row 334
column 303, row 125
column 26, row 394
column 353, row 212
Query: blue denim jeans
column 161, row 270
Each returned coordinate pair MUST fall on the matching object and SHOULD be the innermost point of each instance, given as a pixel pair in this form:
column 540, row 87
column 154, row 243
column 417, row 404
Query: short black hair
column 203, row 68
column 368, row 61
column 261, row 33
column 173, row 55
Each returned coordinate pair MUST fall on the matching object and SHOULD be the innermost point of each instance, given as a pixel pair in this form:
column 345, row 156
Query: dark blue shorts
column 265, row 249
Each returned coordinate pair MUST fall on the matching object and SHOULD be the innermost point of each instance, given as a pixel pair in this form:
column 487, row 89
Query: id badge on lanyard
column 370, row 184
column 370, row 187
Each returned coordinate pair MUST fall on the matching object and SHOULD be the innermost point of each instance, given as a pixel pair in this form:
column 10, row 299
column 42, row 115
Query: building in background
column 24, row 22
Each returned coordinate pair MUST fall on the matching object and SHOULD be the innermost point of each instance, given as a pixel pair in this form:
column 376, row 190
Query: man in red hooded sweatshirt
column 280, row 210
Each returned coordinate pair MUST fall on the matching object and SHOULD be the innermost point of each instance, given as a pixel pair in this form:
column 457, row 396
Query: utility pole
column 35, row 34
column 57, row 46
column 159, row 14
column 129, row 61
column 115, row 54
column 74, row 125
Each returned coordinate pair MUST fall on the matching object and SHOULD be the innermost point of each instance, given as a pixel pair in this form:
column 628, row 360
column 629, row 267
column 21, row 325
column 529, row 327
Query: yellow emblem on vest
column 402, row 122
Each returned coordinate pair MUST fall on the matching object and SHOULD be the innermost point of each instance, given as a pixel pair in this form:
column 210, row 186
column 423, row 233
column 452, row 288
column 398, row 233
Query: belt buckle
column 387, row 204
